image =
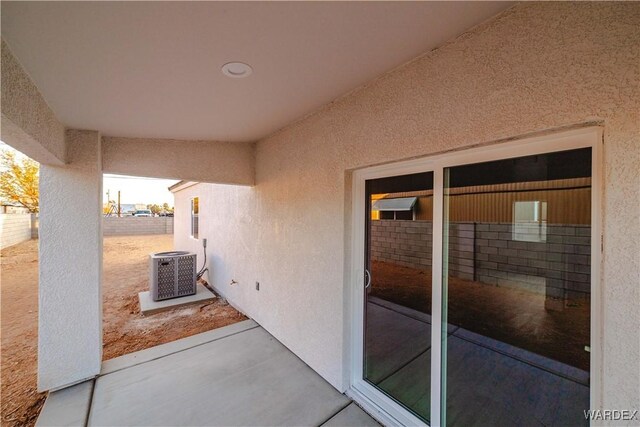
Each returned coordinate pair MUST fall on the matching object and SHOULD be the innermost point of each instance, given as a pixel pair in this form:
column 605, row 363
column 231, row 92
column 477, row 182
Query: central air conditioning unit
column 172, row 274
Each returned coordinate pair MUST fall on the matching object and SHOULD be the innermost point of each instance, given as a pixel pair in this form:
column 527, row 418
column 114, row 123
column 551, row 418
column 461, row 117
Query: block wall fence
column 17, row 227
column 488, row 253
column 129, row 225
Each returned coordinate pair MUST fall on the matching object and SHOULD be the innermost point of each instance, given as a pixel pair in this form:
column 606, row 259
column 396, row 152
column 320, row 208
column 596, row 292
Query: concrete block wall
column 487, row 252
column 406, row 243
column 129, row 225
column 14, row 229
column 409, row 243
column 558, row 267
column 461, row 259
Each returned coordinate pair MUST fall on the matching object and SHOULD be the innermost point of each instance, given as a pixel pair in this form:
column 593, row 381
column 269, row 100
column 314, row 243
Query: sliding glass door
column 474, row 302
column 397, row 344
column 517, row 290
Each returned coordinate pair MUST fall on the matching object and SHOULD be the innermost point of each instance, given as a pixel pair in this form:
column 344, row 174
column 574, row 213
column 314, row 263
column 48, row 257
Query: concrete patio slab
column 148, row 306
column 132, row 359
column 232, row 376
column 248, row 378
column 351, row 416
column 67, row 407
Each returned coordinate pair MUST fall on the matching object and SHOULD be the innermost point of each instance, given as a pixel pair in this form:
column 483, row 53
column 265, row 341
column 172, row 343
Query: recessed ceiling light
column 236, row 70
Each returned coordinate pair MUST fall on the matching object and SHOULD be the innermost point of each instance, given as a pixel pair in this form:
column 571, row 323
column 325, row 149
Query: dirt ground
column 124, row 329
column 513, row 316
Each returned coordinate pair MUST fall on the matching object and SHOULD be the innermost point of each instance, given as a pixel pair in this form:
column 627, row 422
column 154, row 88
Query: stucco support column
column 70, row 273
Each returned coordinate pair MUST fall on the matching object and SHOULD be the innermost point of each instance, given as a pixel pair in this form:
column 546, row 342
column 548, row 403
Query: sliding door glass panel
column 517, row 291
column 397, row 344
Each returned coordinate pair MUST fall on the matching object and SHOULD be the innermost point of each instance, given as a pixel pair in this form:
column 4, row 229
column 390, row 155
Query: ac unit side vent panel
column 172, row 274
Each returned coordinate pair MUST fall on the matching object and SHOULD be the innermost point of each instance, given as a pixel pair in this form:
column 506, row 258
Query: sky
column 135, row 189
column 4, row 146
column 132, row 189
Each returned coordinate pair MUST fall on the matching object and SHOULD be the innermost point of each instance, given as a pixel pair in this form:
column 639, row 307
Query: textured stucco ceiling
column 152, row 69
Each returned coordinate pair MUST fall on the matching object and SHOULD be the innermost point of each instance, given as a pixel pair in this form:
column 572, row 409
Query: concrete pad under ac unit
column 149, row 306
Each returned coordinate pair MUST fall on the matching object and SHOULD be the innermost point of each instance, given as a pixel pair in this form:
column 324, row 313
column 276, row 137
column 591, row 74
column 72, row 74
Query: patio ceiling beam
column 202, row 161
column 28, row 124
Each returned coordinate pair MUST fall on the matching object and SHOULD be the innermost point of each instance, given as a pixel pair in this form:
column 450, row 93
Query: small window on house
column 530, row 221
column 194, row 217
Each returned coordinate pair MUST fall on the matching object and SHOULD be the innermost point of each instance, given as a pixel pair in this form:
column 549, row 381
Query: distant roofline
column 181, row 185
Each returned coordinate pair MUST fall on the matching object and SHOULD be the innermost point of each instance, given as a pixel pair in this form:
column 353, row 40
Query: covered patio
column 283, row 121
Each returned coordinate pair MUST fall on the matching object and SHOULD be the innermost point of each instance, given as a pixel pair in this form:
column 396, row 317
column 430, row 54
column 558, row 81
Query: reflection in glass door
column 398, row 254
column 517, row 291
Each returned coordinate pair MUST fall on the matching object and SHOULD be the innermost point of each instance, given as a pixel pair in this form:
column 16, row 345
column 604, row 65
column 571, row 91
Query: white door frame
column 383, row 407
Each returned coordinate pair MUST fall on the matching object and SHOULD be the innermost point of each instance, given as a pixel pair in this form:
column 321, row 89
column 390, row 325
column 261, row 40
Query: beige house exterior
column 278, row 210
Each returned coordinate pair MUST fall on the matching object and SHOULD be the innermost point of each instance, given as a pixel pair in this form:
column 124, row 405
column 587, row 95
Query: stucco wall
column 70, row 260
column 228, row 222
column 28, row 124
column 14, row 228
column 539, row 66
column 205, row 161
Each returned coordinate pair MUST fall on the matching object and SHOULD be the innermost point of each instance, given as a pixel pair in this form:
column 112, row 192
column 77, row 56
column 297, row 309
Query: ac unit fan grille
column 166, row 278
column 172, row 276
column 185, row 275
